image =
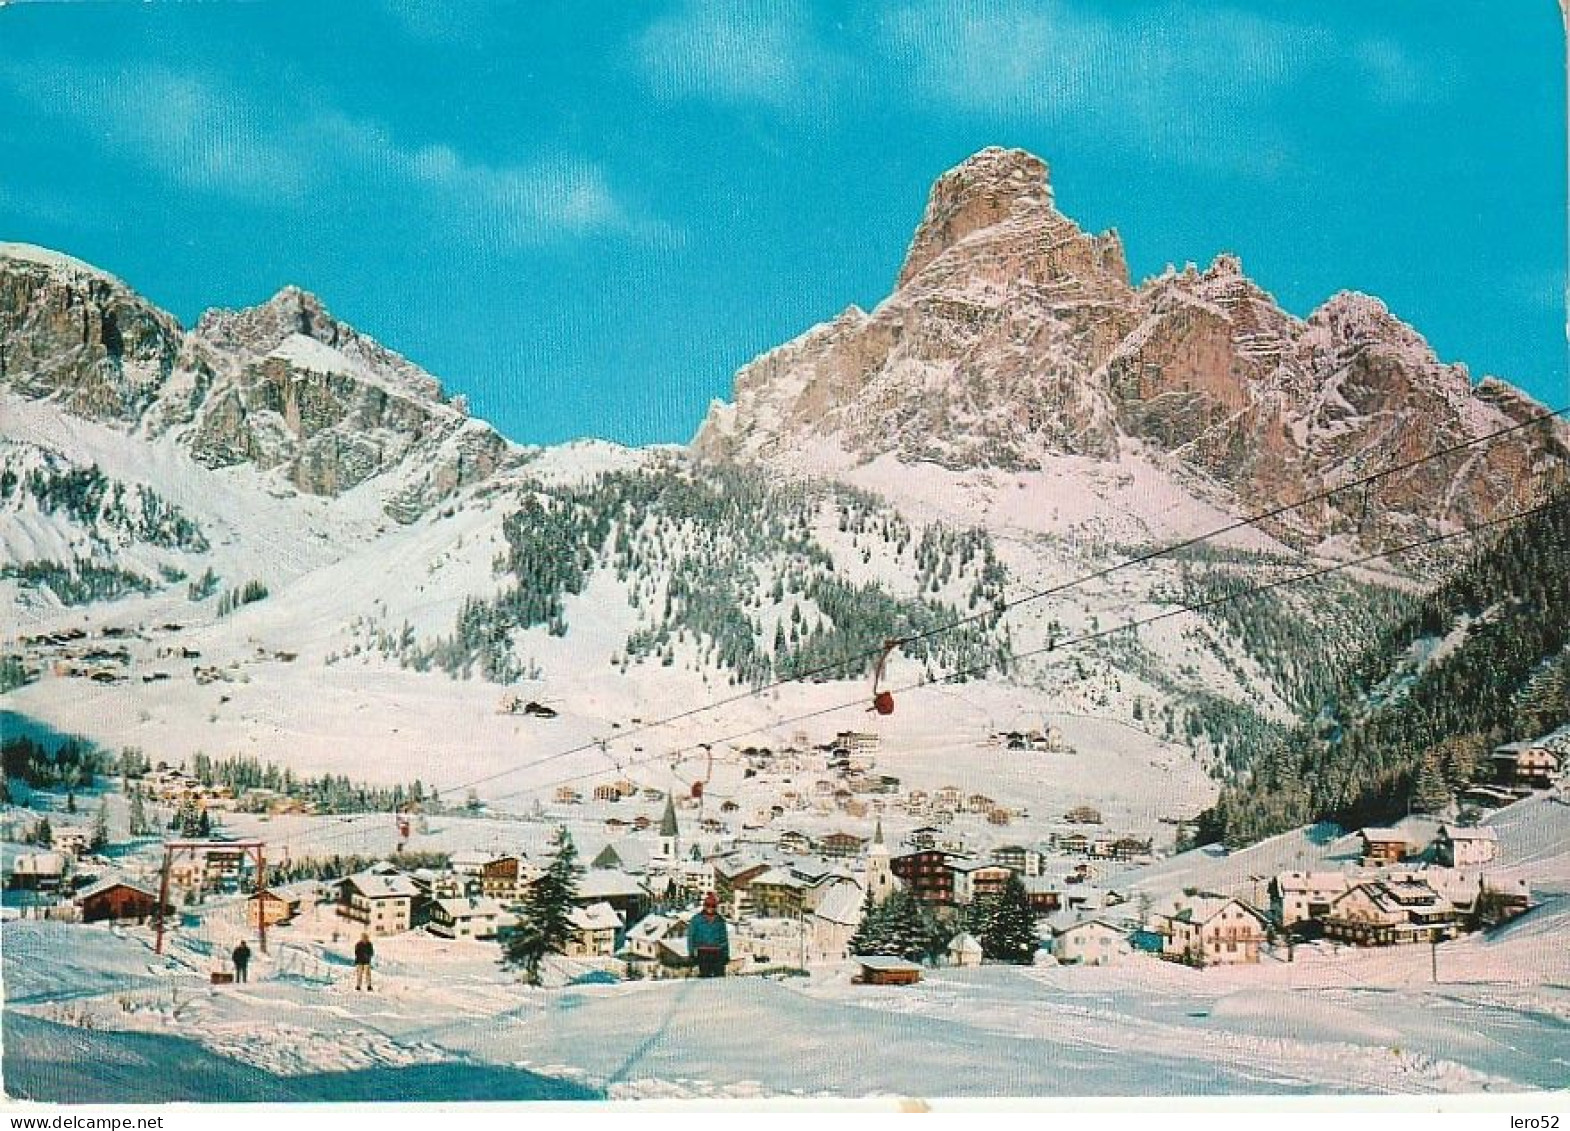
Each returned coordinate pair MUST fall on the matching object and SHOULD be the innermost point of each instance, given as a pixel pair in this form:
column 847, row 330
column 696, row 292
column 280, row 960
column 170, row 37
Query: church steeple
column 670, row 834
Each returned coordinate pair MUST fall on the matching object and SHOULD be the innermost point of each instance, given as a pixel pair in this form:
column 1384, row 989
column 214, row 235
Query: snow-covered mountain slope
column 1012, row 338
column 307, row 549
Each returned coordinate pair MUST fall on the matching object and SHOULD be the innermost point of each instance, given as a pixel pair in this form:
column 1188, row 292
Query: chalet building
column 1025, row 861
column 949, row 797
column 795, row 843
column 1499, row 900
column 1045, row 893
column 505, row 878
column 1089, row 942
column 1391, row 912
column 858, row 741
column 777, row 894
column 471, row 862
column 977, row 879
column 842, row 846
column 1076, row 844
column 270, row 907
column 36, row 871
column 627, row 894
column 925, row 837
column 72, row 842
column 1384, row 846
column 1083, row 815
column 927, row 874
column 470, row 918
column 1457, row 847
column 979, row 803
column 118, row 902
column 1208, row 930
column 594, row 931
column 834, row 921
column 566, row 795
column 1298, row 897
column 1128, row 848
column 1525, row 765
column 382, row 903
column 643, row 938
column 732, row 878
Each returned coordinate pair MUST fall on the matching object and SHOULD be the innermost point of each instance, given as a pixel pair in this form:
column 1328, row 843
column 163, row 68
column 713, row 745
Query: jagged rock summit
column 283, row 387
column 1013, row 336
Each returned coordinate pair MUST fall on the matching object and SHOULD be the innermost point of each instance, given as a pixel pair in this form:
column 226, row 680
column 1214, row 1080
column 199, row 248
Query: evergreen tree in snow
column 1431, row 794
column 44, row 834
column 99, row 839
column 140, row 825
column 1008, row 932
column 544, row 927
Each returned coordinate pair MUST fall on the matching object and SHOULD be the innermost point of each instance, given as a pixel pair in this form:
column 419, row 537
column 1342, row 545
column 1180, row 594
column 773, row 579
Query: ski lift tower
column 174, row 849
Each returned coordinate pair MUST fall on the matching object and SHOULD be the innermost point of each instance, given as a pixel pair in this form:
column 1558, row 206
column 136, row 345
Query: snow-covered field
column 446, row 1015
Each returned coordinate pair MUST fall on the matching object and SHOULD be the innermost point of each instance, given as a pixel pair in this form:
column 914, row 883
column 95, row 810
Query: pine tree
column 70, row 801
column 99, row 839
column 140, row 826
column 1009, row 934
column 44, row 834
column 544, row 926
column 1431, row 794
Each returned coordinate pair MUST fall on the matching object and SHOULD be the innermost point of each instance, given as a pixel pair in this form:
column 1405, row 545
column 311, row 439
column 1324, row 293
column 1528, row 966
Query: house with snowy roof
column 594, row 931
column 117, row 900
column 642, row 940
column 1458, row 847
column 1390, row 912
column 627, row 855
column 36, row 871
column 1212, row 930
column 1089, row 942
column 964, row 950
column 977, row 879
column 1297, row 897
column 1525, row 765
column 628, row 894
column 1384, row 846
column 834, row 920
column 472, row 917
column 382, row 903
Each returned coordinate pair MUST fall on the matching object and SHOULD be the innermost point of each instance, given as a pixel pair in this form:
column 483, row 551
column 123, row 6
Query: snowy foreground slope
column 1361, row 1023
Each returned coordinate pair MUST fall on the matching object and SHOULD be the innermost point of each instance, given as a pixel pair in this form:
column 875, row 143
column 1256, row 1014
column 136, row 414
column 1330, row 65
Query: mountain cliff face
column 1012, row 335
column 283, row 387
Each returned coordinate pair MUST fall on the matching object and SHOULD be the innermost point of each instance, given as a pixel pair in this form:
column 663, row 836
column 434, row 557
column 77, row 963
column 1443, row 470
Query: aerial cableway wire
column 998, row 610
column 1072, row 642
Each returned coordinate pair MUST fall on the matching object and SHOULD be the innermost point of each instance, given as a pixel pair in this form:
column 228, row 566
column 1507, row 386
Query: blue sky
column 586, row 216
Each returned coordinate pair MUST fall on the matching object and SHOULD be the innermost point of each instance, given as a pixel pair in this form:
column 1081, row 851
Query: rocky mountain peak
column 258, row 331
column 981, row 191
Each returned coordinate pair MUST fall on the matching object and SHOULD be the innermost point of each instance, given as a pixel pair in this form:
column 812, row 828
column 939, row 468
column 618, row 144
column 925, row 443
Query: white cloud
column 179, row 124
column 748, row 53
column 199, row 134
column 525, row 204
